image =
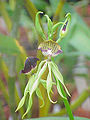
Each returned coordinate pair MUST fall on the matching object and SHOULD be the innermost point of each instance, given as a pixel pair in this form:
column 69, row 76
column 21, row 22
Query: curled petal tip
column 40, row 12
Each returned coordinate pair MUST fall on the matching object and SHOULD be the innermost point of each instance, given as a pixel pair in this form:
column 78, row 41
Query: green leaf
column 38, row 92
column 58, row 118
column 58, row 75
column 49, row 82
column 8, row 45
column 80, row 40
column 38, row 26
column 50, row 24
column 21, row 103
column 28, row 107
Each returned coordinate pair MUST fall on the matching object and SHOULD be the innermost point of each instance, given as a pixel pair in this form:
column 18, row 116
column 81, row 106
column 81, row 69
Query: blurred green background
column 19, row 39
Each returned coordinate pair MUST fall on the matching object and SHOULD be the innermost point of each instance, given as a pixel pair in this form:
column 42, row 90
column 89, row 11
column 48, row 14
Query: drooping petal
column 37, row 79
column 50, row 25
column 49, row 83
column 58, row 75
column 38, row 92
column 38, row 26
column 21, row 103
column 29, row 106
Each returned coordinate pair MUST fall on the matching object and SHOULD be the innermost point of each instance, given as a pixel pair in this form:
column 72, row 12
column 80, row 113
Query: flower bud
column 65, row 26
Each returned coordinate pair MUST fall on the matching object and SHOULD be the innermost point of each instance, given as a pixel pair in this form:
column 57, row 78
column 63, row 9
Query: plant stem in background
column 11, row 89
column 5, row 15
column 16, row 18
column 12, row 59
column 31, row 9
column 66, row 103
column 4, row 69
column 85, row 94
column 57, row 14
column 4, row 91
column 2, row 114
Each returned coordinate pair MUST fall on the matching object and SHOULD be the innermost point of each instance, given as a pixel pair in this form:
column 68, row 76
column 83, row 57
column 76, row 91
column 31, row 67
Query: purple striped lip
column 58, row 52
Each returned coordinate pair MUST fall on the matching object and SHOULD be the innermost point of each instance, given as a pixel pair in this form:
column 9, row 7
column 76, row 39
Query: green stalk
column 4, row 69
column 58, row 11
column 17, row 98
column 59, row 40
column 57, row 14
column 16, row 18
column 2, row 114
column 31, row 9
column 5, row 15
column 66, row 103
column 85, row 94
column 12, row 69
column 11, row 89
column 4, row 91
column 12, row 4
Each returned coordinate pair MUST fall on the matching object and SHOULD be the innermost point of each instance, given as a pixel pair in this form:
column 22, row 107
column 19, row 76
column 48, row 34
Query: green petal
column 59, row 89
column 42, row 70
column 49, row 82
column 56, row 25
column 21, row 103
column 38, row 92
column 50, row 24
column 38, row 26
column 58, row 75
column 43, row 82
column 37, row 81
column 29, row 106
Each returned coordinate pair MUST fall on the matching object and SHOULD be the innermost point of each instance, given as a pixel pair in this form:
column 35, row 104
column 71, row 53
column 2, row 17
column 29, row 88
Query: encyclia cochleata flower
column 50, row 49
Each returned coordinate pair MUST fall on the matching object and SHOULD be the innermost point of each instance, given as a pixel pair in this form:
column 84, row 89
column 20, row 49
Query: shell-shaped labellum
column 30, row 64
column 50, row 48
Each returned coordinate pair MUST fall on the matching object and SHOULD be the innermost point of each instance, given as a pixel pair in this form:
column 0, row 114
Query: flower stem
column 56, row 15
column 84, row 95
column 59, row 40
column 66, row 104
